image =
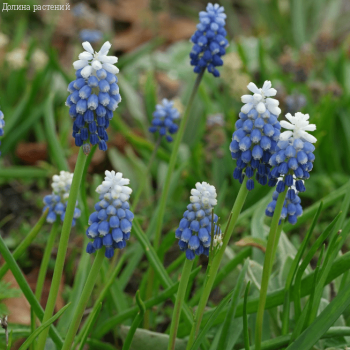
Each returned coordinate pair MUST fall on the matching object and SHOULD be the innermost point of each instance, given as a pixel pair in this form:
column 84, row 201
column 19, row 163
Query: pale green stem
column 84, row 298
column 44, row 265
column 101, row 296
column 63, row 245
column 180, row 296
column 166, row 187
column 268, row 262
column 172, row 161
column 211, row 273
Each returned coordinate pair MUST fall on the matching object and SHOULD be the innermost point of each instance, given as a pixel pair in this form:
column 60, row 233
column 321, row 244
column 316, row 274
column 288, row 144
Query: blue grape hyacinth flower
column 57, row 201
column 294, row 153
column 257, row 132
column 2, row 124
column 111, row 223
column 292, row 208
column 94, row 96
column 164, row 119
column 90, row 35
column 209, row 42
column 194, row 231
column 293, row 159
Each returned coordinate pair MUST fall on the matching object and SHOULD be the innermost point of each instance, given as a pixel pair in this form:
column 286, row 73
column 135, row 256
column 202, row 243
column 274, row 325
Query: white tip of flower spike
column 218, row 240
column 61, row 183
column 261, row 100
column 204, row 194
column 298, row 127
column 115, row 184
column 92, row 61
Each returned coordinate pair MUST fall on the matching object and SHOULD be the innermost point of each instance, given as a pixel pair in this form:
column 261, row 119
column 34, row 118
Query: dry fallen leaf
column 31, row 152
column 252, row 242
column 19, row 308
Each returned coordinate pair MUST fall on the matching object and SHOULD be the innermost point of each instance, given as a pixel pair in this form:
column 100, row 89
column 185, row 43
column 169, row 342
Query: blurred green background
column 303, row 47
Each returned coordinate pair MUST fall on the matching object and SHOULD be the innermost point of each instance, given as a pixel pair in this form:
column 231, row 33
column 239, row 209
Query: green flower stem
column 84, row 298
column 172, row 161
column 83, row 190
column 180, row 296
column 44, row 265
column 215, row 264
column 165, row 189
column 268, row 262
column 137, row 321
column 145, row 178
column 278, row 235
column 46, row 259
column 100, row 298
column 63, row 245
column 22, row 247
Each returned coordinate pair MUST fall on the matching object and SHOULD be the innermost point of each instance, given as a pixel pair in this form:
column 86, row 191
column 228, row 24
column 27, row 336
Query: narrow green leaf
column 99, row 345
column 298, row 21
column 306, row 262
column 328, row 200
column 234, row 294
column 22, row 247
column 226, row 334
column 137, row 321
column 32, row 337
column 88, row 329
column 224, row 272
column 17, row 113
column 106, row 326
column 323, row 322
column 293, row 270
column 18, row 133
column 56, row 149
column 282, row 341
column 25, row 172
column 245, row 319
column 276, row 298
column 157, row 265
column 10, row 341
column 23, row 284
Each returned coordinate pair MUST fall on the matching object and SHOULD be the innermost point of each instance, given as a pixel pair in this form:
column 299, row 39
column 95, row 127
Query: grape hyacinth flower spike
column 292, row 208
column 194, row 231
column 292, row 163
column 209, row 42
column 257, row 132
column 2, row 124
column 111, row 223
column 94, row 96
column 57, row 201
column 163, row 119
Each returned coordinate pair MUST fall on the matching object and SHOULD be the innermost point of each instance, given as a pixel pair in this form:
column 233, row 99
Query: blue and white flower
column 2, row 124
column 298, row 127
column 293, row 154
column 94, row 96
column 57, row 201
column 293, row 161
column 209, row 42
column 164, row 118
column 261, row 100
column 292, row 208
column 257, row 132
column 111, row 223
column 194, row 231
